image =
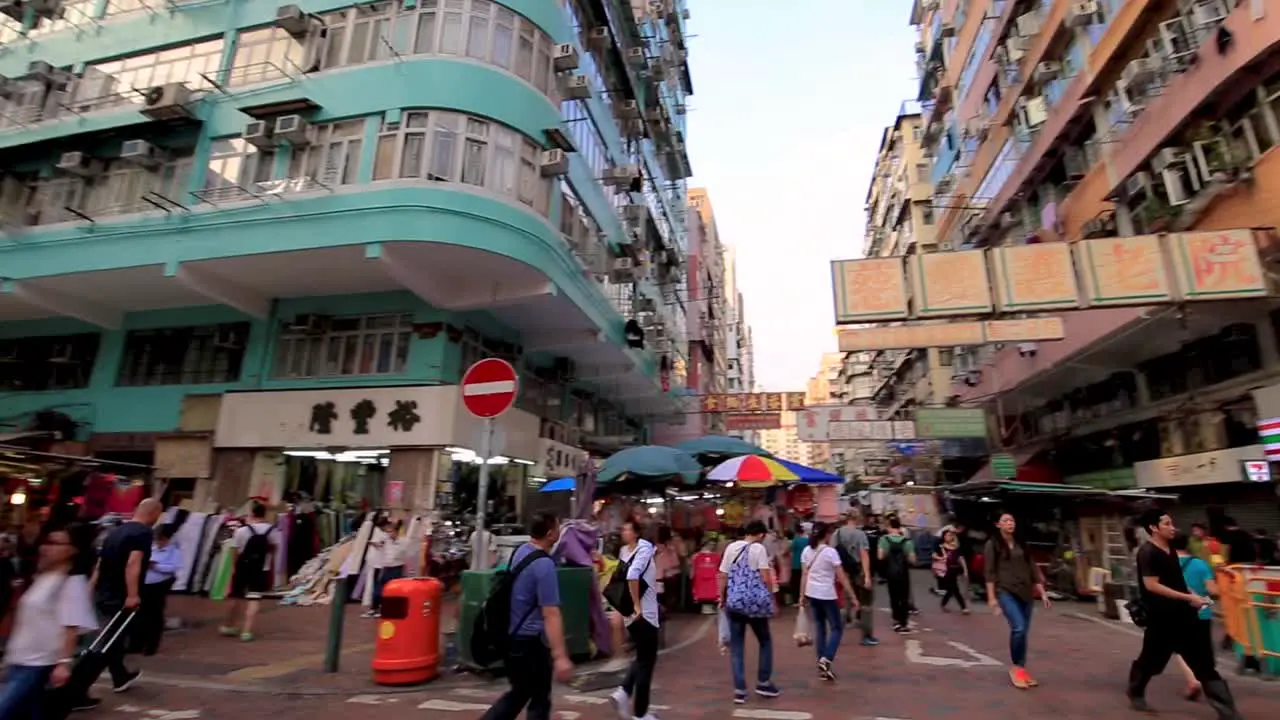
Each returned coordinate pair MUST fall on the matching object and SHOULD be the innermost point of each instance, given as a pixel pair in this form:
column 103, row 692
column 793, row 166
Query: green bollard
column 333, row 646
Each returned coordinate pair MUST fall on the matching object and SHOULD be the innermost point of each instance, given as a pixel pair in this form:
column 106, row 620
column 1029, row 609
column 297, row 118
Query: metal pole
column 479, row 548
column 337, row 610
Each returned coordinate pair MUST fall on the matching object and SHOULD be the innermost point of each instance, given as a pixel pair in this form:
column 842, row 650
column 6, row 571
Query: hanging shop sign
column 557, row 460
column 753, row 402
column 752, row 421
column 1003, row 466
column 1136, row 270
column 825, row 423
column 951, row 423
column 1207, row 468
column 1258, row 471
column 386, row 417
column 1269, row 432
column 951, row 334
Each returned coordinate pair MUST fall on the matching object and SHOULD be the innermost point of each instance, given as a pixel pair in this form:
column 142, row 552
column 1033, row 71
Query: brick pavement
column 951, row 670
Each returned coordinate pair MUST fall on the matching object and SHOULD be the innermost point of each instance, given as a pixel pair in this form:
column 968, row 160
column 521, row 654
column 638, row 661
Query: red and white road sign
column 489, row 387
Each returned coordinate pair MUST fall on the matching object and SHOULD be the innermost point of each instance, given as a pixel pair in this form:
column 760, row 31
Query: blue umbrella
column 722, row 446
column 810, row 475
column 564, row 484
column 650, row 462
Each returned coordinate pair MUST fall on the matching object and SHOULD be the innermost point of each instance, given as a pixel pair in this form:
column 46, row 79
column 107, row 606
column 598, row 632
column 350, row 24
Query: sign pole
column 479, row 548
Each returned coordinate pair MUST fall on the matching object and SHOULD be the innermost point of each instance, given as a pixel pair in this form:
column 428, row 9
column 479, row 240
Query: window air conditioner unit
column 1174, row 181
column 1139, row 71
column 1075, row 163
column 79, row 163
column 1178, row 44
column 1166, row 157
column 292, row 19
column 1082, row 14
column 1131, row 103
column 1212, row 156
column 1029, row 24
column 258, row 134
column 293, row 129
column 1138, row 184
column 1015, row 49
column 621, row 175
column 554, row 162
column 1036, row 111
column 565, row 58
column 42, row 71
column 1047, row 71
column 166, row 102
column 1206, row 13
column 92, row 85
column 627, row 109
column 139, row 152
column 576, row 87
column 599, row 38
column 946, row 30
column 646, row 304
column 635, row 213
column 622, row 270
column 658, row 70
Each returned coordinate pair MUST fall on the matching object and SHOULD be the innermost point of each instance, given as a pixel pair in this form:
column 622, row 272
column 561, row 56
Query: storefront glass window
column 368, row 345
column 184, row 356
column 56, row 362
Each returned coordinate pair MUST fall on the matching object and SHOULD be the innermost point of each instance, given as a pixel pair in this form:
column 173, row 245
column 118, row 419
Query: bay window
column 334, row 157
column 368, row 345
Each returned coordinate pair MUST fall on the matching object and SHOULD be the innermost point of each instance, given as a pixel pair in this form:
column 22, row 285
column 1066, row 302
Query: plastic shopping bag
column 723, row 631
column 801, row 634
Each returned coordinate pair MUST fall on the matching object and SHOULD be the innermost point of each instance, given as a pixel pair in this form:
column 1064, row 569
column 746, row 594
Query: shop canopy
column 720, row 447
column 650, row 462
column 564, row 484
column 978, row 489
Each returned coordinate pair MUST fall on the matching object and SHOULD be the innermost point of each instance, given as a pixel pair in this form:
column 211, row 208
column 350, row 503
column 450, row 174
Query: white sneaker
column 621, row 703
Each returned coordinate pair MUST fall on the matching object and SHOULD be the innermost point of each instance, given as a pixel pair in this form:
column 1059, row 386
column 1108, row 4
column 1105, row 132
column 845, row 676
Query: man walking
column 855, row 556
column 536, row 650
column 898, row 555
column 1172, row 625
column 256, row 545
column 118, row 581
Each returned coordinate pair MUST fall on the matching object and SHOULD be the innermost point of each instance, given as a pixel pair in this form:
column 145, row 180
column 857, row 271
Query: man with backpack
column 531, row 640
column 256, row 545
column 898, row 555
column 855, row 557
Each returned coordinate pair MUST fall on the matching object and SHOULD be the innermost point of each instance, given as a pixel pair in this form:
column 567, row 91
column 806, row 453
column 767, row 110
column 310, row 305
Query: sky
column 790, row 100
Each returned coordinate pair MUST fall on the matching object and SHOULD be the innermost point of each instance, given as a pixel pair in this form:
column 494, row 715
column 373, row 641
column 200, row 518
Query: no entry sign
column 489, row 388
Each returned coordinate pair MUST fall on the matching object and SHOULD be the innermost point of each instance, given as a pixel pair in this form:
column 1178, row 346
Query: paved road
column 953, row 669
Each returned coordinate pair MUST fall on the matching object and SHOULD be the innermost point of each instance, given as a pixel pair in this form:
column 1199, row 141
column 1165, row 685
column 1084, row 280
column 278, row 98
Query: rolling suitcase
column 88, row 666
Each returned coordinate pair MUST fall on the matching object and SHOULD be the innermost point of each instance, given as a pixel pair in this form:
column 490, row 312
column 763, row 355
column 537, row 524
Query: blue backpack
column 745, row 593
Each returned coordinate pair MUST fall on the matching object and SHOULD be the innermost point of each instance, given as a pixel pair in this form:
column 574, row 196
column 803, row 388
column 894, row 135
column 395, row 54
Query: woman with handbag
column 637, row 602
column 821, row 569
column 747, row 584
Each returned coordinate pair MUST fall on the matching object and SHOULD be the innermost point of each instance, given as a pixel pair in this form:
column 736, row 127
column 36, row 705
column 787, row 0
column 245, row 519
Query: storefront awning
column 979, row 488
column 27, row 435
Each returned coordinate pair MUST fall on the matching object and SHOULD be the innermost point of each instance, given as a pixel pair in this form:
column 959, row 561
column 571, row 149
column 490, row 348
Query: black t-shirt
column 1165, row 568
column 119, row 544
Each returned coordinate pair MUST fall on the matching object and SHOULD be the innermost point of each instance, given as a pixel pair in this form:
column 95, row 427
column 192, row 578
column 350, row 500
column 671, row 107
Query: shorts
column 244, row 584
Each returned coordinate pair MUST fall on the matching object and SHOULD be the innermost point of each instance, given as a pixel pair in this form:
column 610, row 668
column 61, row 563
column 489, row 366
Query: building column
column 232, row 469
column 417, row 468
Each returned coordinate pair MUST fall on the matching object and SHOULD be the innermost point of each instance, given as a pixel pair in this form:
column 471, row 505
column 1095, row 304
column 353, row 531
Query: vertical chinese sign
column 1222, row 265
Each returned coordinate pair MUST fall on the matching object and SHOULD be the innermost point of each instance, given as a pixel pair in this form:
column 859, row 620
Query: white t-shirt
column 54, row 602
column 822, row 564
column 242, row 535
column 643, row 568
column 380, row 550
column 757, row 556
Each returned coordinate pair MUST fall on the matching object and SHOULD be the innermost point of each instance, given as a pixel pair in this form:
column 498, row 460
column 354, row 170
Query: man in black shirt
column 1171, row 616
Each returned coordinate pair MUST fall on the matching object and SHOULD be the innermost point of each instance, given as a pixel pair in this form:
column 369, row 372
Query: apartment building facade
column 1057, row 120
column 264, row 227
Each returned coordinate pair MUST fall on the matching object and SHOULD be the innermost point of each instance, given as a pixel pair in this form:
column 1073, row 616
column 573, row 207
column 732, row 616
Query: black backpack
column 618, row 592
column 852, row 565
column 491, row 630
column 253, row 558
column 895, row 562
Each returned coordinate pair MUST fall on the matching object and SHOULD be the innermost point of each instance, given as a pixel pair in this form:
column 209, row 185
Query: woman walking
column 1013, row 581
column 822, row 568
column 642, row 623
column 953, row 569
column 52, row 614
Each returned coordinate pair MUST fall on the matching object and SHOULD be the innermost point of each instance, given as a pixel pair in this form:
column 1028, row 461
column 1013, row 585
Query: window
column 58, row 362
column 188, row 64
column 235, row 163
column 334, row 157
column 451, row 147
column 926, row 213
column 267, row 55
column 481, row 30
column 369, row 345
column 184, row 356
column 922, row 172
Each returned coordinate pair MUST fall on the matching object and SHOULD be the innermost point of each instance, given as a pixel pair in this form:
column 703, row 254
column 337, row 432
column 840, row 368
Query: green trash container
column 576, row 594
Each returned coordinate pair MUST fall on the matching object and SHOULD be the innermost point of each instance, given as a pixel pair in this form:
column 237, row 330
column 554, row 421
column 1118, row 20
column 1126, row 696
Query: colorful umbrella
column 811, row 475
column 650, row 462
column 721, row 447
column 564, row 484
column 752, row 471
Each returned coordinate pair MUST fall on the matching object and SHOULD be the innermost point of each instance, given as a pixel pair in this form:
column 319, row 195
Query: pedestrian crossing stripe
column 772, row 714
column 451, row 706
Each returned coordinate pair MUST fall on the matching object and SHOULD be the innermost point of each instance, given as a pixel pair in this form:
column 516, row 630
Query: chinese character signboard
column 951, row 283
column 950, row 334
column 951, row 423
column 866, row 290
column 753, row 402
column 1035, row 277
column 557, row 460
column 1123, row 271
column 752, row 421
column 1218, row 265
column 823, row 423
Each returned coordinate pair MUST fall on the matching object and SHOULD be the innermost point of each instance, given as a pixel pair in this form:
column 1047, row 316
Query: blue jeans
column 384, row 576
column 737, row 650
column 1018, row 613
column 827, row 627
column 22, row 697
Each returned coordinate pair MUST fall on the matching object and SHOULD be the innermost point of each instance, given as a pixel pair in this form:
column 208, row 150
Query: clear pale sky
column 790, row 99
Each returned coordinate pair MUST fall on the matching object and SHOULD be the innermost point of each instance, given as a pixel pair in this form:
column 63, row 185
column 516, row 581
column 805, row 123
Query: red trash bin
column 407, row 647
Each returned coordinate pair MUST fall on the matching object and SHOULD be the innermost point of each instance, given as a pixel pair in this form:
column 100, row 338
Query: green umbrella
column 650, row 462
column 721, row 447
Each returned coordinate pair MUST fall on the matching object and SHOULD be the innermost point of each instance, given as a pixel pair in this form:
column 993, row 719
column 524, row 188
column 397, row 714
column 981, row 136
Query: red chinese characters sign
column 752, row 421
column 1218, row 265
column 753, row 402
